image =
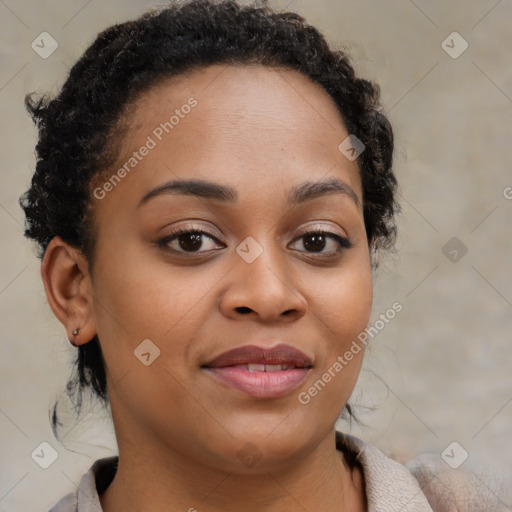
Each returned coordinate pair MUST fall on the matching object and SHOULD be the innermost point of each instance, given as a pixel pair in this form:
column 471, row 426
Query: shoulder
column 426, row 484
column 68, row 503
column 389, row 485
column 456, row 490
column 92, row 483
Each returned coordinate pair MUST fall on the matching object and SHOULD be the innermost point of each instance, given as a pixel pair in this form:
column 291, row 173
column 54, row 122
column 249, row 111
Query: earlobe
column 68, row 290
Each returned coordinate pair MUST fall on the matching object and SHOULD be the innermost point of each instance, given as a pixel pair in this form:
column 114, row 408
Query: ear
column 68, row 288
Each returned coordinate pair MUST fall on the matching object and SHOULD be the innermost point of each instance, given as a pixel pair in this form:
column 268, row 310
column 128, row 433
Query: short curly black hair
column 80, row 130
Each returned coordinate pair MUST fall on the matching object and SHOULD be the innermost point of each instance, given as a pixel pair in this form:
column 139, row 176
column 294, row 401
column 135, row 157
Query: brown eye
column 314, row 242
column 193, row 240
column 317, row 241
column 188, row 240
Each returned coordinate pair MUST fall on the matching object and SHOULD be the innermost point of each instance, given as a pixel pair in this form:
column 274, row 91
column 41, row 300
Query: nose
column 264, row 289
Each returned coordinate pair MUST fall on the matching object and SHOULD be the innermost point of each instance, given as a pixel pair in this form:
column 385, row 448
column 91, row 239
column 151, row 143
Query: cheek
column 140, row 298
column 342, row 300
column 342, row 311
column 147, row 316
column 353, row 302
column 140, row 295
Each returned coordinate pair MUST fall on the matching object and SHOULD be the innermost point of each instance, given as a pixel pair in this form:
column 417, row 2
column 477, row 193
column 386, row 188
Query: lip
column 255, row 354
column 231, row 368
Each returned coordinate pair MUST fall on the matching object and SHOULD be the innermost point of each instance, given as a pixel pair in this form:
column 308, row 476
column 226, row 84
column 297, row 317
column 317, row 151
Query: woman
column 213, row 188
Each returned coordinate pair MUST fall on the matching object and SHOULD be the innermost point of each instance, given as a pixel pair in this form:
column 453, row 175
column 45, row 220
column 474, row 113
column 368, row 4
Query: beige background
column 445, row 357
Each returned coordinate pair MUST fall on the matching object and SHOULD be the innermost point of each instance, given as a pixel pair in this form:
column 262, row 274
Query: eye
column 188, row 240
column 315, row 241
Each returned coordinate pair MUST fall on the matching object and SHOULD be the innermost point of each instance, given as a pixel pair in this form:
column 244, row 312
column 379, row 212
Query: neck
column 322, row 480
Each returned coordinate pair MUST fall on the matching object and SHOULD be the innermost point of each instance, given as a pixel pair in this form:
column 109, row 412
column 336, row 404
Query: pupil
column 196, row 241
column 318, row 242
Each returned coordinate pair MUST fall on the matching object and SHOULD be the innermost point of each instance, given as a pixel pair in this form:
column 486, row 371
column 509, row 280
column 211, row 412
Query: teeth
column 273, row 367
column 256, row 367
column 253, row 367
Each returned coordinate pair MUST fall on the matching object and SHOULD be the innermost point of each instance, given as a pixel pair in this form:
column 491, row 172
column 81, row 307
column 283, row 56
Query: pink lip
column 230, row 368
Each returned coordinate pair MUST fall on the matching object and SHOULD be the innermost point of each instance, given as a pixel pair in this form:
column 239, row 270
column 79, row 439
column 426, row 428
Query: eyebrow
column 303, row 192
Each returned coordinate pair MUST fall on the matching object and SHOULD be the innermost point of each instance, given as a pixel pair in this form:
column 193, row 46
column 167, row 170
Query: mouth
column 261, row 372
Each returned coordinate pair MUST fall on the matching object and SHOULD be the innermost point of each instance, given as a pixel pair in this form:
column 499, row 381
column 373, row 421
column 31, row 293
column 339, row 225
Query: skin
column 262, row 131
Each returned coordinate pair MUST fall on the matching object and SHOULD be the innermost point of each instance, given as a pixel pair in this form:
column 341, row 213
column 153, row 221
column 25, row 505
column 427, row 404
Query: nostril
column 243, row 309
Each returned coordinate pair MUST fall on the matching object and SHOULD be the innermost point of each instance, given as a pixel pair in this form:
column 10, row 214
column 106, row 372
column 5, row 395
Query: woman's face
column 165, row 309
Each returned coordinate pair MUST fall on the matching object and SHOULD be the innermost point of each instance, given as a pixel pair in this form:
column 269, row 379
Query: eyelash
column 343, row 242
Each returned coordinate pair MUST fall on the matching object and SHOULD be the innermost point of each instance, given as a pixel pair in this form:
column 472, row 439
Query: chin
column 263, row 448
column 262, row 457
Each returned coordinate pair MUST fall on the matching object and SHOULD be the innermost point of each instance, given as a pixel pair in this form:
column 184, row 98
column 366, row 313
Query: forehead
column 248, row 88
column 251, row 126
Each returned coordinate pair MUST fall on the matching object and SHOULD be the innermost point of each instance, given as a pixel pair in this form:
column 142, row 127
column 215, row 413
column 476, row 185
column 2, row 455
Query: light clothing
column 390, row 486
